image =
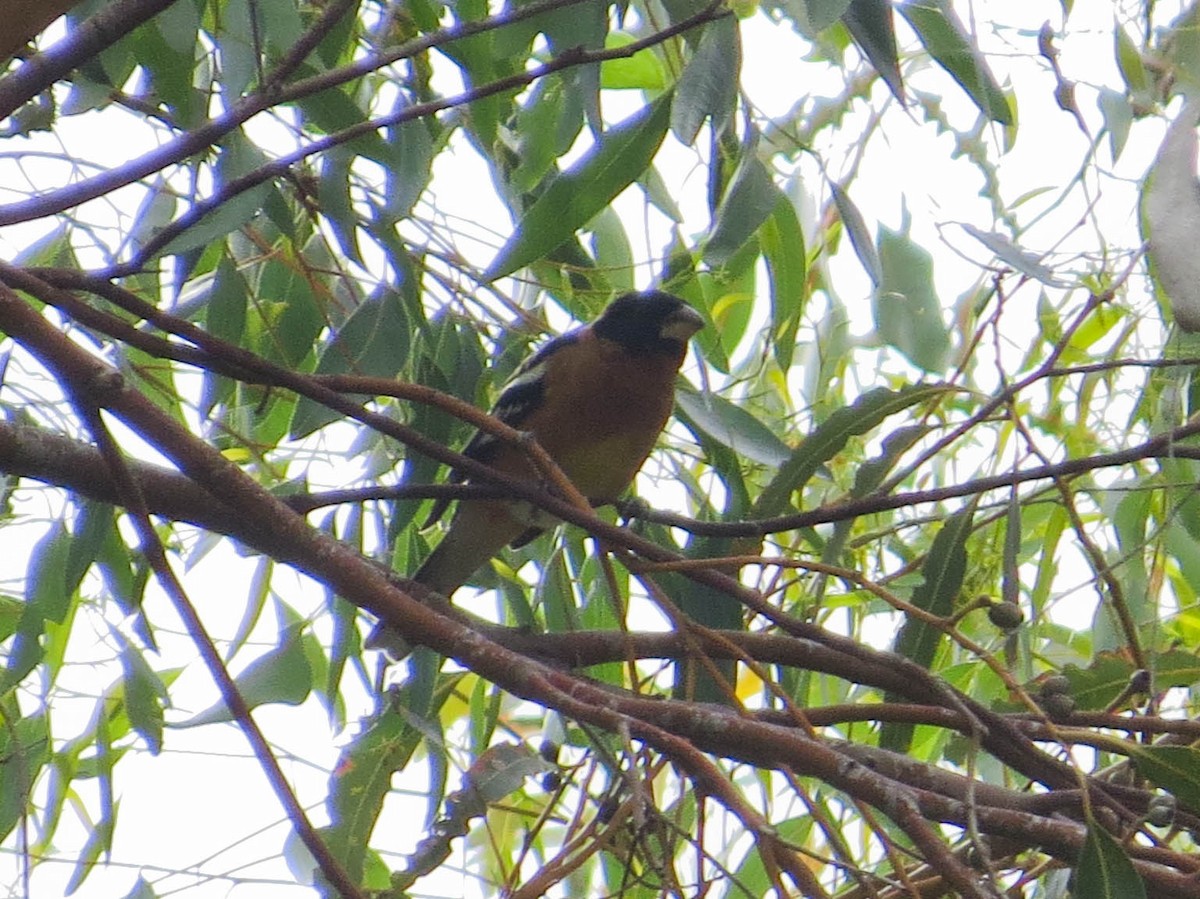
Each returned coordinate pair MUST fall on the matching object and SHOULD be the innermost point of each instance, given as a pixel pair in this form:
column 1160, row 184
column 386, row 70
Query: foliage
column 923, row 535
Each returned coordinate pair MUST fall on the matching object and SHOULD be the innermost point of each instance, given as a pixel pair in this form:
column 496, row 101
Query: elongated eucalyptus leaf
column 871, row 25
column 620, row 157
column 1104, row 870
column 1175, row 769
column 918, row 640
column 782, row 241
column 908, row 315
column 830, row 437
column 708, row 86
column 943, row 34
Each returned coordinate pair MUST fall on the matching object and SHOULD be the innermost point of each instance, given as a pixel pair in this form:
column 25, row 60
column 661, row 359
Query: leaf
column 375, row 340
column 87, row 859
column 166, row 48
column 871, row 473
column 1013, row 256
column 501, row 769
column 1097, row 685
column 156, row 210
column 283, row 676
column 783, row 251
column 49, row 595
column 333, row 110
column 908, row 315
column 830, row 437
column 1129, row 61
column 362, row 777
column 225, row 318
column 1181, row 50
column 820, row 14
column 141, row 890
column 1118, row 117
column 1104, row 870
column 941, row 31
column 1175, row 769
column 25, row 748
column 334, row 198
column 94, row 525
column 918, row 640
column 619, row 158
column 871, row 25
column 642, row 71
column 733, row 426
column 238, row 60
column 856, row 229
column 219, row 222
column 145, row 694
column 750, row 199
column 708, row 87
column 537, row 142
column 611, row 249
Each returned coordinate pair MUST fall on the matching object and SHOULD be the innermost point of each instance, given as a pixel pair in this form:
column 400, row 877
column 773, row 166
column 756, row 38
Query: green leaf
column 941, row 31
column 574, row 197
column 856, row 229
column 239, row 63
column 333, row 110
column 783, row 251
column 283, row 676
column 871, row 473
column 1175, row 769
column 1104, row 870
column 611, row 249
column 1181, row 50
column 544, row 129
column 1009, row 253
column 708, row 87
column 362, row 777
column 1095, row 686
column 49, row 595
column 1118, row 117
column 942, row 579
column 757, row 876
column 88, row 859
column 219, row 222
column 166, row 48
column 1129, row 61
column 11, row 610
column 156, row 211
column 292, row 314
column 750, row 199
column 820, row 14
column 25, row 749
column 94, row 526
column 830, row 437
column 145, row 695
column 642, row 71
column 731, row 425
column 375, row 340
column 908, row 315
column 333, row 195
column 141, row 890
column 871, row 25
column 225, row 318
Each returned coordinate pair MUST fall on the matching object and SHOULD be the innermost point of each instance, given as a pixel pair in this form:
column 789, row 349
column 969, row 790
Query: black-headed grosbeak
column 596, row 400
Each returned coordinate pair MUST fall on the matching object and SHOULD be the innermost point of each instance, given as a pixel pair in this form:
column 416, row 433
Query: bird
column 595, row 399
column 1172, row 218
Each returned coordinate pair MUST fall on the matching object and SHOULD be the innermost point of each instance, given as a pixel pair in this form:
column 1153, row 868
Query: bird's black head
column 649, row 321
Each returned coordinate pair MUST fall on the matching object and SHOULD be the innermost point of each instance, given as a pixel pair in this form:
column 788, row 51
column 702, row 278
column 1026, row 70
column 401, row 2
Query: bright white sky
column 221, row 818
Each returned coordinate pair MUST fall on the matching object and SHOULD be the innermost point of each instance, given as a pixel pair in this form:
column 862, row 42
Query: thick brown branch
column 83, row 43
